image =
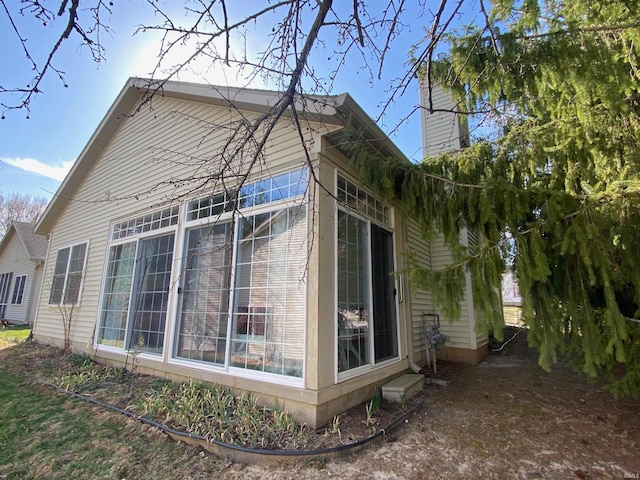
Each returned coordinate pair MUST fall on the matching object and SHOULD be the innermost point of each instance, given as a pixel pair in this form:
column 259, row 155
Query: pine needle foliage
column 552, row 188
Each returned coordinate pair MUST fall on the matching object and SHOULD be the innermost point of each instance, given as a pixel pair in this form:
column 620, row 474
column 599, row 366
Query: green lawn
column 13, row 335
column 45, row 434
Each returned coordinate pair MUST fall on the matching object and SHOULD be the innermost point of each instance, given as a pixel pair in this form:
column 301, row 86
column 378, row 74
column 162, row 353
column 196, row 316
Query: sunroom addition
column 238, row 287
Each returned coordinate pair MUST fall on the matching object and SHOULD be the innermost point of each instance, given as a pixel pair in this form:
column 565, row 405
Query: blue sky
column 36, row 152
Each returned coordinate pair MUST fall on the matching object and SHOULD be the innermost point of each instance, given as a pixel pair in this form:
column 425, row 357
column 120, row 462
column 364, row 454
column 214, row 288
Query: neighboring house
column 510, row 291
column 22, row 255
column 273, row 286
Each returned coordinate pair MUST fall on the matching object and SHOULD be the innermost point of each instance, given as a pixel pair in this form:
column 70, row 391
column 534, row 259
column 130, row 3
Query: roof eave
column 354, row 114
column 311, row 107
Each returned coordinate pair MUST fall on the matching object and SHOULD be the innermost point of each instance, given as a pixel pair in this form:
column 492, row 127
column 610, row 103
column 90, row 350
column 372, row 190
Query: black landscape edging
column 249, row 455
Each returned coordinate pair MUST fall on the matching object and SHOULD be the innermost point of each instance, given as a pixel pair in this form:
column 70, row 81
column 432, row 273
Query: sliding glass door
column 366, row 293
column 385, row 332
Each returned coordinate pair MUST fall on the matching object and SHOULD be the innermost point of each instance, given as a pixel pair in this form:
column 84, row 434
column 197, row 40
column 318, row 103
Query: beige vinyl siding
column 441, row 131
column 446, row 131
column 140, row 171
column 436, row 255
column 14, row 259
column 470, row 239
column 461, row 332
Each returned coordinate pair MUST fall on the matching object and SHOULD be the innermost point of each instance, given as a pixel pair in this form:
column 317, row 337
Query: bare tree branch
column 89, row 35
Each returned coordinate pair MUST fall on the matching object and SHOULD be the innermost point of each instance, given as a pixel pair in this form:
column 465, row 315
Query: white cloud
column 36, row 166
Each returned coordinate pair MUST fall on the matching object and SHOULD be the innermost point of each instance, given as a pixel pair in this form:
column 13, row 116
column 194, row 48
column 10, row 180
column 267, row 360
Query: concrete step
column 403, row 387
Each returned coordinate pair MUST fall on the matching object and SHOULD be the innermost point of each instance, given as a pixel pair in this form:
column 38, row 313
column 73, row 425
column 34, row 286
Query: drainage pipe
column 505, row 343
column 249, row 455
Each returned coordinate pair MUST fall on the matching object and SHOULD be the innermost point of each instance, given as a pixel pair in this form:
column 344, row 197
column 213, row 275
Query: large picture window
column 67, row 275
column 268, row 313
column 366, row 316
column 204, row 302
column 136, row 292
column 241, row 284
column 117, row 294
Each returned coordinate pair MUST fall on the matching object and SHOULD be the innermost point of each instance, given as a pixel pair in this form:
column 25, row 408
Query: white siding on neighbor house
column 461, row 332
column 420, row 298
column 436, row 256
column 441, row 131
column 160, row 145
column 15, row 260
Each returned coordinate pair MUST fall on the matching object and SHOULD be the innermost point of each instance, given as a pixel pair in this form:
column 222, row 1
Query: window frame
column 63, row 293
column 190, row 225
column 198, row 212
column 20, row 282
column 5, row 288
column 262, row 375
column 234, row 213
column 383, row 219
column 137, row 237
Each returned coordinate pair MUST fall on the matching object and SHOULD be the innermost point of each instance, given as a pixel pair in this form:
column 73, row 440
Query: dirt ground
column 502, row 419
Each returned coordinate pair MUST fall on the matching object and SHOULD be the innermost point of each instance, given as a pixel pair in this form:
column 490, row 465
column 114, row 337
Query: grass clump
column 87, row 376
column 214, row 412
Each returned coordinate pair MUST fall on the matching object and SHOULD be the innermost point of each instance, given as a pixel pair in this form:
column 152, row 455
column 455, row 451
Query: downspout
column 412, row 364
column 41, row 290
column 30, row 299
column 415, row 368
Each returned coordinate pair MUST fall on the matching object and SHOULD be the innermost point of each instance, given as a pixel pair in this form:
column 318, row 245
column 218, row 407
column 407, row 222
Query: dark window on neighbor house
column 67, row 275
column 5, row 282
column 18, row 290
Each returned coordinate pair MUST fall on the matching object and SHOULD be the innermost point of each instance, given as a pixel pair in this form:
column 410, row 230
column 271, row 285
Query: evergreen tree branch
column 583, row 30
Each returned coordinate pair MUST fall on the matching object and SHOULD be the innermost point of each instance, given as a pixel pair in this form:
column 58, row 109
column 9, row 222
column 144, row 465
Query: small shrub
column 80, row 359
